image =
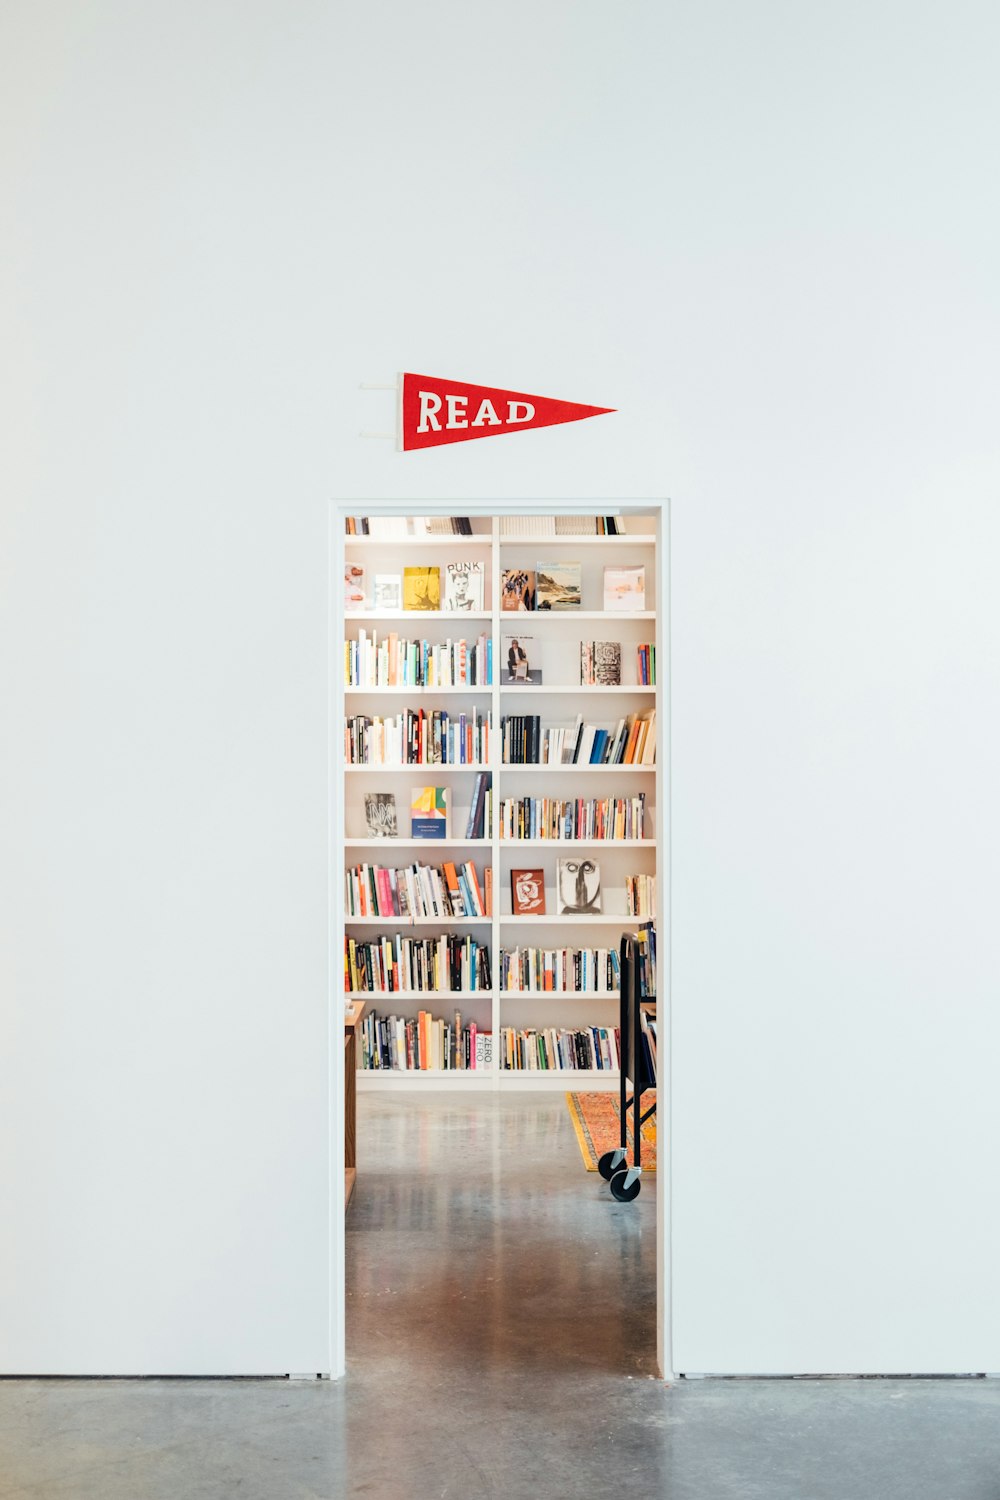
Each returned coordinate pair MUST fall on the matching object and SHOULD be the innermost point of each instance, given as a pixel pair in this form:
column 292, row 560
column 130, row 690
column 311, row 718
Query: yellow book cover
column 421, row 588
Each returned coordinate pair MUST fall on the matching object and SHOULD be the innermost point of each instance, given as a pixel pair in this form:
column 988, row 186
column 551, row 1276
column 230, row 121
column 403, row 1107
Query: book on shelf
column 527, row 893
column 419, row 737
column 480, row 819
column 414, row 890
column 558, row 585
column 517, row 590
column 568, row 819
column 389, row 528
column 354, row 586
column 551, row 1049
column 388, row 591
column 640, row 895
column 624, row 588
column 630, row 741
column 463, row 586
column 391, row 660
column 600, row 663
column 534, row 525
column 413, row 1044
column 447, row 525
column 380, row 815
column 395, row 962
column 429, row 812
column 421, row 588
column 356, row 525
column 538, row 971
column 646, row 944
column 645, row 664
column 578, row 886
column 517, row 652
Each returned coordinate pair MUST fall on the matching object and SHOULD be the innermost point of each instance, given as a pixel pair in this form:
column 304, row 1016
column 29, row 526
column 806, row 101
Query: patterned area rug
column 597, row 1122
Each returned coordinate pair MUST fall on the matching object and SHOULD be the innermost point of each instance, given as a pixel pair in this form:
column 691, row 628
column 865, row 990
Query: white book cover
column 463, row 586
column 624, row 588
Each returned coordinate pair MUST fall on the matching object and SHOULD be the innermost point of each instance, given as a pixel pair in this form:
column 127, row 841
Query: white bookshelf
column 556, row 636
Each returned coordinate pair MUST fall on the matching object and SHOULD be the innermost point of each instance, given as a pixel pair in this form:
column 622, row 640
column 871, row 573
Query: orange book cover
column 630, row 747
column 451, row 881
column 470, row 873
column 489, row 890
column 393, row 653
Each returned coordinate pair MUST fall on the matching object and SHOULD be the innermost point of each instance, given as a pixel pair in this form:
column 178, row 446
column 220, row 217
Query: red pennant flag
column 434, row 411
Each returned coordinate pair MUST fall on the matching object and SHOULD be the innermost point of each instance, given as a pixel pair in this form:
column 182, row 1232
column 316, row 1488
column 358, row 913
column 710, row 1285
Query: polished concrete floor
column 500, row 1345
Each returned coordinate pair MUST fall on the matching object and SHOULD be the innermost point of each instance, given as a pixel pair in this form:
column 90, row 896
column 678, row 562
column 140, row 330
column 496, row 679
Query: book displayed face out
column 624, row 588
column 354, row 586
column 558, row 585
column 517, row 590
column 463, row 586
column 516, row 663
column 421, row 588
column 527, row 892
column 578, row 886
column 429, row 813
column 380, row 815
column 388, row 591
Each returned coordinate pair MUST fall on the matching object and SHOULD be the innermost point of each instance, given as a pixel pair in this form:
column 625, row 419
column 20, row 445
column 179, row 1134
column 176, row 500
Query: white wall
column 167, row 327
column 767, row 235
column 832, row 385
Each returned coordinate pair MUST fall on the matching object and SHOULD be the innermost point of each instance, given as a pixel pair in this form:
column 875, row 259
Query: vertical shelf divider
column 496, row 755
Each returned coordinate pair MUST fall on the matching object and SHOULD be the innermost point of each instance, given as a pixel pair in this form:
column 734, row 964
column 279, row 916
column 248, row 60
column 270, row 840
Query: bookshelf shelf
column 420, row 768
column 553, row 639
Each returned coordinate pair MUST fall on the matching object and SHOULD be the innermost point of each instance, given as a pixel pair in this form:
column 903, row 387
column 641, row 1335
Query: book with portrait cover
column 463, row 586
column 578, row 886
column 516, row 661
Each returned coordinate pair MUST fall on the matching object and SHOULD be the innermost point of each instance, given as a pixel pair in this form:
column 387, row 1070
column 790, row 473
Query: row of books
column 554, row 970
column 387, row 528
column 548, row 1050
column 391, row 963
column 419, row 891
column 396, row 662
column 572, row 818
column 480, row 820
column 632, row 741
column 417, row 737
column 640, row 895
column 646, row 942
column 405, row 1045
column 601, row 664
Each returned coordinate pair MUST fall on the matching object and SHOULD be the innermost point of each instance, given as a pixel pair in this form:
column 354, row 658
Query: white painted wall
column 166, row 349
column 766, row 234
column 832, row 279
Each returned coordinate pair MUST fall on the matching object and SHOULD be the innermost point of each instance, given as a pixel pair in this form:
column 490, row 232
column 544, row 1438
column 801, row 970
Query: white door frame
column 339, row 509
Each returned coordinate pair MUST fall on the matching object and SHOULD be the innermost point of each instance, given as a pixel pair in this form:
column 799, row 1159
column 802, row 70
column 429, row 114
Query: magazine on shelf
column 558, row 585
column 421, row 588
column 600, row 663
column 527, row 893
column 380, row 815
column 429, row 813
column 516, row 658
column 517, row 590
column 463, row 586
column 624, row 588
column 578, row 886
column 354, row 586
column 388, row 591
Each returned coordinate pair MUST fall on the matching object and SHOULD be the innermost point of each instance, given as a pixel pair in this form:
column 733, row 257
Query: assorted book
column 392, row 964
column 422, row 1043
column 625, row 588
column 632, row 741
column 590, row 1049
column 463, row 586
column 578, row 886
column 538, row 971
column 640, row 895
column 600, row 663
column 394, row 661
column 572, row 818
column 527, row 893
column 429, row 808
column 419, row 737
column 517, row 652
column 419, row 891
column 480, row 820
column 455, row 963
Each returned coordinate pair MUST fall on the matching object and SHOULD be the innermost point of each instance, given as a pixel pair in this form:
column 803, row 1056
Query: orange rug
column 597, row 1122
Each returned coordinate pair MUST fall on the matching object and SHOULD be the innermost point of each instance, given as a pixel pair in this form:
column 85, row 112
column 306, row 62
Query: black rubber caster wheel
column 620, row 1191
column 608, row 1166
